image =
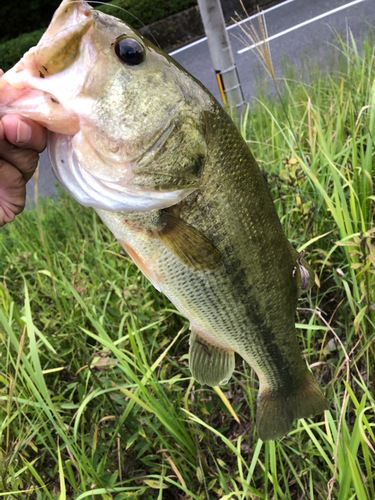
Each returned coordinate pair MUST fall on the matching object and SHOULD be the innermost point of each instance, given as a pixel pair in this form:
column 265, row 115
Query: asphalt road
column 296, row 28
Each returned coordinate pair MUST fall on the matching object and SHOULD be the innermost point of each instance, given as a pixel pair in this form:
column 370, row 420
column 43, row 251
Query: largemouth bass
column 136, row 137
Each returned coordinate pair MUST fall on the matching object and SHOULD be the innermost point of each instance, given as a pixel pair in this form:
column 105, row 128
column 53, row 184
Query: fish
column 133, row 135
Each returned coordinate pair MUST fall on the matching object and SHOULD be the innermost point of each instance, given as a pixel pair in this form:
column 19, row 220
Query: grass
column 96, row 398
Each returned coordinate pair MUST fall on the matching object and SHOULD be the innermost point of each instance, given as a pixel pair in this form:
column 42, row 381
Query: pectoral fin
column 188, row 244
column 208, row 363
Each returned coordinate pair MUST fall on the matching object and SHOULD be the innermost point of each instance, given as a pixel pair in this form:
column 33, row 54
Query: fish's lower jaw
column 277, row 409
column 90, row 191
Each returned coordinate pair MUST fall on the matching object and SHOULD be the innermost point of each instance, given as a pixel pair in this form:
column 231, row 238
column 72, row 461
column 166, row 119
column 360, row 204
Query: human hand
column 21, row 141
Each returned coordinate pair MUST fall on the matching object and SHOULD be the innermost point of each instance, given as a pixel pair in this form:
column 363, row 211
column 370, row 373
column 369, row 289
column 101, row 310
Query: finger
column 12, row 192
column 24, row 133
column 25, row 160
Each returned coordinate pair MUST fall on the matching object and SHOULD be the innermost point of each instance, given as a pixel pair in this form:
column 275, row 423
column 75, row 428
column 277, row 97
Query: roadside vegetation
column 96, row 398
column 140, row 13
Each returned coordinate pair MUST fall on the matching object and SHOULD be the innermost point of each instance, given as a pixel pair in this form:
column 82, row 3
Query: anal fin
column 209, row 364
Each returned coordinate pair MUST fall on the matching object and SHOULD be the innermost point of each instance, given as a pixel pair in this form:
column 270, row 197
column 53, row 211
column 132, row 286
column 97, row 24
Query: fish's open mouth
column 98, row 143
column 43, row 83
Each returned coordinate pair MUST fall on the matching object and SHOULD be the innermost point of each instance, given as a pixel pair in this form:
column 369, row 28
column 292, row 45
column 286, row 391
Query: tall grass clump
column 96, row 399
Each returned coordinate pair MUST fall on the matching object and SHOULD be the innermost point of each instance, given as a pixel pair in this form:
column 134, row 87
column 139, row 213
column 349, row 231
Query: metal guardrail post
column 221, row 54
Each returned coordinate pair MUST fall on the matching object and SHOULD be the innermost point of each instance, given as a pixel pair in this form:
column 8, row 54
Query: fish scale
column 135, row 136
column 244, row 305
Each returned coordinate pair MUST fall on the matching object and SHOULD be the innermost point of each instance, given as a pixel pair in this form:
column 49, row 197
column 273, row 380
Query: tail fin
column 277, row 410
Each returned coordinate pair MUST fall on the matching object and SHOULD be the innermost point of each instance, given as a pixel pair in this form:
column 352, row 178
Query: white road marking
column 297, row 26
column 230, row 27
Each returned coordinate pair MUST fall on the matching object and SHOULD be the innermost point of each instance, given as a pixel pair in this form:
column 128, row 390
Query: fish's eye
column 129, row 50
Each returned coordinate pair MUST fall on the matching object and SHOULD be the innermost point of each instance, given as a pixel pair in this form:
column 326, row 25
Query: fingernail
column 23, row 132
